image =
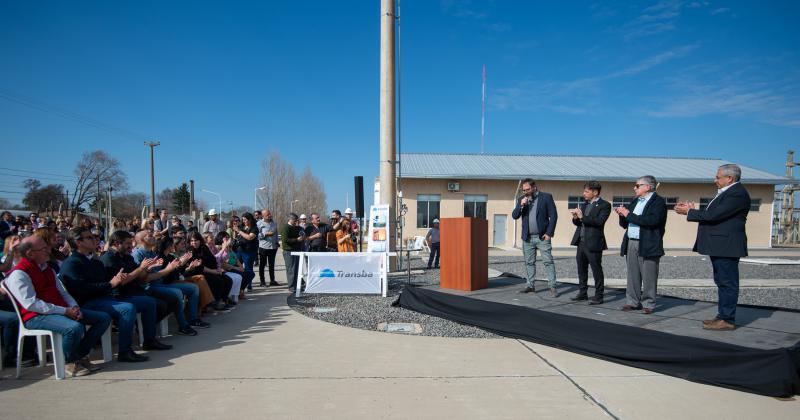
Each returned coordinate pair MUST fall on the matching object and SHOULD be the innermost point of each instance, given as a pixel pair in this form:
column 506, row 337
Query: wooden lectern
column 464, row 253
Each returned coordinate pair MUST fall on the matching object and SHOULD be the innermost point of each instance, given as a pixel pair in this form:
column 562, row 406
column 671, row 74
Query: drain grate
column 324, row 309
column 400, row 327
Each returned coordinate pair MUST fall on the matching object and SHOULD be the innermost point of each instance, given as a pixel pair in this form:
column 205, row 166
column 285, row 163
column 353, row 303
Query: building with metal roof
column 441, row 185
column 570, row 168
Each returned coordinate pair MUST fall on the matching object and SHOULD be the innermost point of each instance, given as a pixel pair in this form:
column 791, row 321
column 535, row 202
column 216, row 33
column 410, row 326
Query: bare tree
column 310, row 193
column 285, row 192
column 93, row 167
column 128, row 206
column 165, row 198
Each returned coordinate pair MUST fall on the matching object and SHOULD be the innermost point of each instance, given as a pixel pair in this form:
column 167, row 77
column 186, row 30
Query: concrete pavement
column 265, row 361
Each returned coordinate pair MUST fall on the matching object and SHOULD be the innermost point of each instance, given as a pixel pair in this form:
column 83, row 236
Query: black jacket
column 594, row 237
column 651, row 226
column 84, row 278
column 546, row 215
column 720, row 232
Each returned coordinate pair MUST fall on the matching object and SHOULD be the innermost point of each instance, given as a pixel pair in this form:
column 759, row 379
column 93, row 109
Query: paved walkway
column 265, row 361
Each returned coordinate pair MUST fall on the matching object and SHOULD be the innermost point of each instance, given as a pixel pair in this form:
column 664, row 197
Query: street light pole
column 255, row 197
column 219, row 197
column 152, row 144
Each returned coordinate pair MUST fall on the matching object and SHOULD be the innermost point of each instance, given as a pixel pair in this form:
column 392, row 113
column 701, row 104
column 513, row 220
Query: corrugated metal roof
column 571, row 168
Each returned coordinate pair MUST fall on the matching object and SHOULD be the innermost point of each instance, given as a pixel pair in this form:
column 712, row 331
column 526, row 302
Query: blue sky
column 222, row 84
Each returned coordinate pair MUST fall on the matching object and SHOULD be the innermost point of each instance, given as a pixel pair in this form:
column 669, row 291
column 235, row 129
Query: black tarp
column 772, row 372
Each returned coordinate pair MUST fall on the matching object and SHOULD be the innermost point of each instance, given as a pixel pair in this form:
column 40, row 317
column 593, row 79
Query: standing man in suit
column 539, row 216
column 590, row 220
column 643, row 219
column 721, row 236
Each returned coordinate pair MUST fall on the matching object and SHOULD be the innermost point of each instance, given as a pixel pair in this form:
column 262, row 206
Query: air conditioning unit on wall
column 453, row 186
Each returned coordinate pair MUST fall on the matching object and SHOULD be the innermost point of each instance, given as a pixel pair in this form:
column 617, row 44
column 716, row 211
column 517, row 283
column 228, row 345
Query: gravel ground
column 367, row 311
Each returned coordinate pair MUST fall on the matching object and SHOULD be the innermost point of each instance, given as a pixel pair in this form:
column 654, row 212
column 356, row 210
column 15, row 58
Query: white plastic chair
column 420, row 243
column 163, row 327
column 41, row 342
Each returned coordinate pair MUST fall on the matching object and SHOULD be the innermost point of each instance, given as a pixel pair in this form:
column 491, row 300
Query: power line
column 37, row 172
column 38, row 177
column 67, row 114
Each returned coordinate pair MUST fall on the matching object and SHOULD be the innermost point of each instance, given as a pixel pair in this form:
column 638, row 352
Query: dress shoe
column 88, row 365
column 596, row 301
column 263, row 284
column 647, row 311
column 709, row 321
column 719, row 325
column 579, row 298
column 628, row 308
column 274, row 283
column 153, row 344
column 528, row 290
column 131, row 357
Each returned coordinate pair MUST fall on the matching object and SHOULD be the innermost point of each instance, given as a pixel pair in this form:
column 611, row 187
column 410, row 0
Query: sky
column 223, row 84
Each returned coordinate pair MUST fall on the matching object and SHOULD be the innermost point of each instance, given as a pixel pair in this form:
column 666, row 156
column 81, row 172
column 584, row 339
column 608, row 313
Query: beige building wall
column 501, row 194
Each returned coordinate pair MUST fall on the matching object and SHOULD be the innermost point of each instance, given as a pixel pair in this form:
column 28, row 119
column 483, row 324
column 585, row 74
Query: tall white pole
column 387, row 113
column 483, row 105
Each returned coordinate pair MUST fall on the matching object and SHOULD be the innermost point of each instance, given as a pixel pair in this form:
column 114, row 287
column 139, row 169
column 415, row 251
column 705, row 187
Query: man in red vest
column 44, row 304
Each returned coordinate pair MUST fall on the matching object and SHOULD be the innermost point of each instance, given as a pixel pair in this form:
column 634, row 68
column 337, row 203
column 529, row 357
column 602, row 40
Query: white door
column 499, row 234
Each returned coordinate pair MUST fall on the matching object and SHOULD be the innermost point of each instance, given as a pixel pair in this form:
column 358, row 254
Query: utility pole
column 388, row 115
column 191, row 197
column 152, row 144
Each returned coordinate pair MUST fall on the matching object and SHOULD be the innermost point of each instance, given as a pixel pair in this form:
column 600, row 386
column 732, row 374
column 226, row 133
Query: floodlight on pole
column 255, row 197
column 218, row 196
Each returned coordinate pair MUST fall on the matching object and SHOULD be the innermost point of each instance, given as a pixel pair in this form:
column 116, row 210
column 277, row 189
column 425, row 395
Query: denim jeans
column 726, row 277
column 123, row 314
column 77, row 342
column 192, row 293
column 10, row 325
column 529, row 248
column 174, row 298
column 248, row 259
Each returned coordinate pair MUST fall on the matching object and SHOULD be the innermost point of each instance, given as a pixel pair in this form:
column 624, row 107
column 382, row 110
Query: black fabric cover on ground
column 767, row 372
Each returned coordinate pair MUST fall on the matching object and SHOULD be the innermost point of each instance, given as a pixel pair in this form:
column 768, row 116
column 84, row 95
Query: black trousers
column 266, row 256
column 586, row 259
column 219, row 284
column 434, row 258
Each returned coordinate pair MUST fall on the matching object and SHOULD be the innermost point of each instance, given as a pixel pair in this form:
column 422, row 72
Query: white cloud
column 658, row 18
column 562, row 96
column 750, row 91
column 720, row 11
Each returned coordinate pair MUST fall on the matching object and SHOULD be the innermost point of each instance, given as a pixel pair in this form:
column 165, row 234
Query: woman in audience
column 220, row 284
column 165, row 252
column 233, row 268
column 344, row 238
column 206, row 296
column 248, row 248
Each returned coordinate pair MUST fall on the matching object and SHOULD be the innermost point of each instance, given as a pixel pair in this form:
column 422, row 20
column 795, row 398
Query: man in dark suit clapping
column 643, row 219
column 721, row 235
column 590, row 219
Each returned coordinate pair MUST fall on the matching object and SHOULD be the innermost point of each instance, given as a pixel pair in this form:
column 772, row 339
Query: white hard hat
column 303, row 216
column 435, row 220
column 212, row 212
column 348, row 210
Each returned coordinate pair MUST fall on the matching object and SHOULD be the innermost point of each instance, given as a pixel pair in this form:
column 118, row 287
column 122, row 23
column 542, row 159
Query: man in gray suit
column 643, row 219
